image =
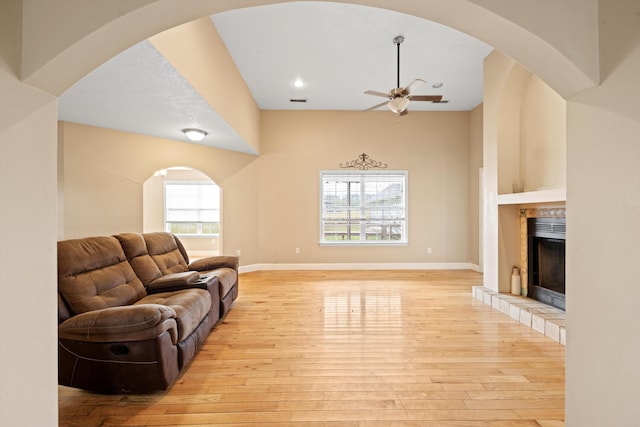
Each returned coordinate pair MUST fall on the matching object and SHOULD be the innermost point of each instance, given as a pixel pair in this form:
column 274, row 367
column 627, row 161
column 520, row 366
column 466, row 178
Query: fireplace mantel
column 527, row 197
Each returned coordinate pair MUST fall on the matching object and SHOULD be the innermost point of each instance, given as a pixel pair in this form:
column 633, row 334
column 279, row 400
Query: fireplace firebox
column 546, row 260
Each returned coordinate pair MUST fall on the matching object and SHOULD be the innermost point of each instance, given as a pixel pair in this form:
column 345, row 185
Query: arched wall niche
column 531, row 140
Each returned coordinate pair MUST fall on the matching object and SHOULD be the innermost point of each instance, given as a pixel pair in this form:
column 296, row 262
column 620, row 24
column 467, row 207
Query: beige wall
column 509, row 114
column 432, row 147
column 28, row 388
column 28, row 257
column 105, row 171
column 603, row 231
column 543, row 137
column 475, row 165
column 496, row 73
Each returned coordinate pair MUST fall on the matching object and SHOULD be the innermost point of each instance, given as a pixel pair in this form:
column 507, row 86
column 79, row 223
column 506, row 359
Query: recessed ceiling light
column 298, row 83
column 437, row 85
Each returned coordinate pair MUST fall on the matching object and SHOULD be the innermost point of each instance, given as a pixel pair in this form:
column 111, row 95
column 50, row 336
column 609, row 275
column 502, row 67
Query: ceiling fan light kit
column 400, row 97
column 398, row 105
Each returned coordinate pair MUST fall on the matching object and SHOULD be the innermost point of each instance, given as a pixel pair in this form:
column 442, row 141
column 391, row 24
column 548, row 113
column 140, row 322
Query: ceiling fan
column 399, row 97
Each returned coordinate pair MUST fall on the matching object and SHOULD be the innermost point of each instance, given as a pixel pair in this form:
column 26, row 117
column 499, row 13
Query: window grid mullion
column 380, row 205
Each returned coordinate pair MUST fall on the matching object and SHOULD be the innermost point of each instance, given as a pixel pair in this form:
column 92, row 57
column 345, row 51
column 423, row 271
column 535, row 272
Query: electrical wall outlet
column 238, row 252
column 297, row 251
column 429, row 251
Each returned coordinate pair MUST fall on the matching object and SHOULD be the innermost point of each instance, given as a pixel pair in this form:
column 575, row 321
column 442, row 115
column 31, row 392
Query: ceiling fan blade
column 415, row 83
column 377, row 106
column 376, row 93
column 404, row 112
column 429, row 98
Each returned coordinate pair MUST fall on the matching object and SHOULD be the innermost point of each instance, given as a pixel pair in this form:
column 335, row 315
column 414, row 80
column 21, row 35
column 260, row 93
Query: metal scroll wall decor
column 363, row 162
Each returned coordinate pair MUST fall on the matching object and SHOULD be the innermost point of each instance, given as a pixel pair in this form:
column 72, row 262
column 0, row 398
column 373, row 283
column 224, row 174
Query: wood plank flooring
column 352, row 349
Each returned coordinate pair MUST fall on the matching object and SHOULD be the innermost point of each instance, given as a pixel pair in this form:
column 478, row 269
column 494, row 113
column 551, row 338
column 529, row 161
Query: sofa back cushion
column 135, row 249
column 166, row 252
column 93, row 273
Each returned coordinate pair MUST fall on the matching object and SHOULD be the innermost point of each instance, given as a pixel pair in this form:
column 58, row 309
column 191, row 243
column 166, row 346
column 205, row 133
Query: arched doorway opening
column 187, row 203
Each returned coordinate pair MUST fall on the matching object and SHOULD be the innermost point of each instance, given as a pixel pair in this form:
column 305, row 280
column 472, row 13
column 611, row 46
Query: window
column 363, row 207
column 192, row 208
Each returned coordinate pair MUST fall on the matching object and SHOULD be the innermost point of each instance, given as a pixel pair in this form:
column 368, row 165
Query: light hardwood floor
column 352, row 349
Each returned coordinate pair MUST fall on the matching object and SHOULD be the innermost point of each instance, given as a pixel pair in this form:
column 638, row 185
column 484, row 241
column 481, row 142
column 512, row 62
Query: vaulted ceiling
column 337, row 51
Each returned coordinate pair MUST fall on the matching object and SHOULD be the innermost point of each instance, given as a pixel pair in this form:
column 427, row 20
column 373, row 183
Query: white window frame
column 199, row 231
column 363, row 222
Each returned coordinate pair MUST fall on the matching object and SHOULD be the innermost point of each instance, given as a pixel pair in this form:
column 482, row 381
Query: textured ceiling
column 338, row 50
column 139, row 91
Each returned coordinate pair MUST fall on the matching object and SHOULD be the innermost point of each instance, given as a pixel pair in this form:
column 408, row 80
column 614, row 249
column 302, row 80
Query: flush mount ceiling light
column 299, row 83
column 194, row 135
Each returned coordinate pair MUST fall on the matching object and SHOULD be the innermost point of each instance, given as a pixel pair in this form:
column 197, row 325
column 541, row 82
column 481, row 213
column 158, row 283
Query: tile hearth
column 542, row 318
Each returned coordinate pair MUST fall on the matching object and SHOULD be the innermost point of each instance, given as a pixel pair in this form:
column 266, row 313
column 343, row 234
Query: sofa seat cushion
column 225, row 268
column 227, row 277
column 190, row 305
column 118, row 324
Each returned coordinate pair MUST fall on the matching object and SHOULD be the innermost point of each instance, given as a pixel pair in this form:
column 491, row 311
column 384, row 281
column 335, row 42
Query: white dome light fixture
column 194, row 135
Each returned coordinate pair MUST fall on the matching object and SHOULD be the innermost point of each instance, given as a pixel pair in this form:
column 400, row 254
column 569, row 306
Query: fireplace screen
column 551, row 264
column 546, row 260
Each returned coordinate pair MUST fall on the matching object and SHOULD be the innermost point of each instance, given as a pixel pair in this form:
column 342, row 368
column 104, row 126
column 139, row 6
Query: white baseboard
column 475, row 267
column 362, row 266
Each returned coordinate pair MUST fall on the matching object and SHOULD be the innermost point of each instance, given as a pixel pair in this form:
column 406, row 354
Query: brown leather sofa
column 132, row 310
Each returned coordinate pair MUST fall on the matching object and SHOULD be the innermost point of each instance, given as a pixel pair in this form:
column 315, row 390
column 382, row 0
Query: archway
column 187, row 203
column 57, row 48
column 97, row 37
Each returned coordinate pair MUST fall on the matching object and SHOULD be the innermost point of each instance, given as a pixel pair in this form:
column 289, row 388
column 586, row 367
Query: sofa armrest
column 211, row 263
column 173, row 282
column 125, row 323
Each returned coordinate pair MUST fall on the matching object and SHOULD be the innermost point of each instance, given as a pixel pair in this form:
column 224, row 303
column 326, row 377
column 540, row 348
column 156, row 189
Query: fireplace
column 546, row 260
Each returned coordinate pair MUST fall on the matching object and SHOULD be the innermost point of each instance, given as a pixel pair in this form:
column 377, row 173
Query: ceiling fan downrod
column 397, row 40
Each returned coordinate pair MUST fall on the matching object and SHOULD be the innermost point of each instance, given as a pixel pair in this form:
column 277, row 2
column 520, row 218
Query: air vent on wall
column 297, row 100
